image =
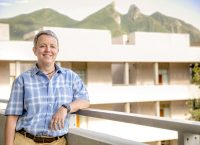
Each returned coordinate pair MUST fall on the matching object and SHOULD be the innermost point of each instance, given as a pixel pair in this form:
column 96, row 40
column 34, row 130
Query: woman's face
column 46, row 50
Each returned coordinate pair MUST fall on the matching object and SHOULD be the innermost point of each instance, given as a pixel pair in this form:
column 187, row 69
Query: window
column 165, row 142
column 164, row 109
column 163, row 77
column 81, row 70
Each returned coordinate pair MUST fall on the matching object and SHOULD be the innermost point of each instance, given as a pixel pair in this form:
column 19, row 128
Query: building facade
column 144, row 73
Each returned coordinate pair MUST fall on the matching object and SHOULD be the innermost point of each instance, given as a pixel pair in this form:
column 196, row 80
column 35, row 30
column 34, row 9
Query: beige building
column 145, row 73
column 4, row 32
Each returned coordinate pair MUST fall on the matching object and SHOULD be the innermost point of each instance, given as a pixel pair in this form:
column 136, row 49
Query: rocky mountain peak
column 134, row 12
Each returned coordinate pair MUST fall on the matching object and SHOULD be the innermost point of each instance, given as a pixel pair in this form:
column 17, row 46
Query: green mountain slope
column 143, row 23
column 25, row 23
column 106, row 18
column 134, row 20
column 174, row 25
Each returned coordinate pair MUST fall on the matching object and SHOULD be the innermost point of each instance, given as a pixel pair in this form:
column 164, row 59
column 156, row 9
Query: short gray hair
column 44, row 32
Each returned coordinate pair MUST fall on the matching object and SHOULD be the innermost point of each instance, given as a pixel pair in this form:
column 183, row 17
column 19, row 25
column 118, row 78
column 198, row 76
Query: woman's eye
column 41, row 46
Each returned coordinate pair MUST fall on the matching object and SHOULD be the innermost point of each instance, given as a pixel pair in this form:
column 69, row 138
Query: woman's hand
column 58, row 119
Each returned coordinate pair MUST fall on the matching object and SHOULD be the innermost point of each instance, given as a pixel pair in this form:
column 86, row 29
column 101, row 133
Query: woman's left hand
column 58, row 119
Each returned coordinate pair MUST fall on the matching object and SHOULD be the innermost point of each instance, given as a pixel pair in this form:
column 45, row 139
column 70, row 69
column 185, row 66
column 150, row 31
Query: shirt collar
column 36, row 69
column 59, row 69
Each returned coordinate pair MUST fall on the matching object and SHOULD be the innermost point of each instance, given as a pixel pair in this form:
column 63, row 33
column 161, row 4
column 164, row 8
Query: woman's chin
column 48, row 62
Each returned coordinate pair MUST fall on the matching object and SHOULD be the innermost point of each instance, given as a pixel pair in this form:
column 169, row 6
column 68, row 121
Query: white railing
column 181, row 126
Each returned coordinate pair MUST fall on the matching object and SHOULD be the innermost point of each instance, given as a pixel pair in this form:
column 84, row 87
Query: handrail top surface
column 146, row 120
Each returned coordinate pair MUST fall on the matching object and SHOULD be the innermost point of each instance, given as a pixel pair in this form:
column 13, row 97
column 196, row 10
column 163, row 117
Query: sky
column 186, row 10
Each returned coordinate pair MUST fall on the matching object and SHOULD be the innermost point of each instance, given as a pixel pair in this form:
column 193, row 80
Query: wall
column 131, row 38
column 117, row 40
column 179, row 73
column 99, row 73
column 144, row 74
column 139, row 73
column 24, row 66
column 117, row 73
column 102, row 106
column 4, row 32
column 166, row 40
column 112, row 107
column 147, row 108
column 66, row 65
column 4, row 80
column 179, row 110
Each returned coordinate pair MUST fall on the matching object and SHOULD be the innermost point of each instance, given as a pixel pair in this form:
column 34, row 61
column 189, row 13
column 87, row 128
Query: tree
column 194, row 104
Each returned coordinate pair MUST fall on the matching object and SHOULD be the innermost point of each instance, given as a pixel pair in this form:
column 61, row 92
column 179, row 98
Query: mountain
column 134, row 20
column 177, row 26
column 106, row 18
column 25, row 23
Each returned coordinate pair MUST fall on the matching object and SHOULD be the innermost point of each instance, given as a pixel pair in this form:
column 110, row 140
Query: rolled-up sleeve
column 15, row 104
column 79, row 89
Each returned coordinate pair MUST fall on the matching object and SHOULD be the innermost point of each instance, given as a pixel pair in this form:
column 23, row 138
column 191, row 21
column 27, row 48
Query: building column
column 156, row 82
column 126, row 73
column 127, row 106
column 157, row 108
column 159, row 143
column 17, row 69
column 156, row 73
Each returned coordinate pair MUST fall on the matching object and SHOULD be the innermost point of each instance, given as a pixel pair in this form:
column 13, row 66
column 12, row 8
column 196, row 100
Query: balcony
column 132, row 93
column 188, row 131
column 141, row 93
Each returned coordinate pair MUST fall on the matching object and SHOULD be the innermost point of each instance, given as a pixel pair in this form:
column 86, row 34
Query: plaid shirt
column 35, row 98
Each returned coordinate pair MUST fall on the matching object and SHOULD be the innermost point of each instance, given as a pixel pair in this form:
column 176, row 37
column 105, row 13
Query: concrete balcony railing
column 188, row 131
column 141, row 93
column 78, row 136
column 183, row 127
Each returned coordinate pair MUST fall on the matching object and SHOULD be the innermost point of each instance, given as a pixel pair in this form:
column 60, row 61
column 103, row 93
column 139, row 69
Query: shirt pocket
column 34, row 98
column 63, row 94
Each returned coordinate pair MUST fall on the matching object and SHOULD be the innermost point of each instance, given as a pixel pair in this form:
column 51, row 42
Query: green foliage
column 194, row 104
column 194, row 109
column 196, row 77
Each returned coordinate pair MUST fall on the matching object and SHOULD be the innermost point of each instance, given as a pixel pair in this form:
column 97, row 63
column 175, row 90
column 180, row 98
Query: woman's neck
column 47, row 69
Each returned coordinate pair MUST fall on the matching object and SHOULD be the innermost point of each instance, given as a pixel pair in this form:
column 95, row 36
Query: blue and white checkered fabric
column 35, row 98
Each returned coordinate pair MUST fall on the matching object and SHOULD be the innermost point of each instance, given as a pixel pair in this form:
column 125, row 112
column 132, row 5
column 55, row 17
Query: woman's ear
column 34, row 50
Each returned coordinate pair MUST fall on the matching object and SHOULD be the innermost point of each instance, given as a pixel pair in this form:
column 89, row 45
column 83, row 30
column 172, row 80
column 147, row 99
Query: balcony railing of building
column 183, row 127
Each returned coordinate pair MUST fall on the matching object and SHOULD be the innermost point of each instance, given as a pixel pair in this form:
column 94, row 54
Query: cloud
column 5, row 2
column 22, row 1
column 11, row 2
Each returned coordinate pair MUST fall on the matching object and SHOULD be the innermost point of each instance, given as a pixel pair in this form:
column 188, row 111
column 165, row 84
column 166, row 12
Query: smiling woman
column 46, row 50
column 43, row 97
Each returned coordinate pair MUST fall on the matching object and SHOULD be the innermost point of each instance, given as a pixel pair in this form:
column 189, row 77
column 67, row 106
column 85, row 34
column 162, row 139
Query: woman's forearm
column 10, row 129
column 79, row 104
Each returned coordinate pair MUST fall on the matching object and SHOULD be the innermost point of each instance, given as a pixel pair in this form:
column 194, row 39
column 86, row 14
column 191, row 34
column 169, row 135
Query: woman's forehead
column 47, row 39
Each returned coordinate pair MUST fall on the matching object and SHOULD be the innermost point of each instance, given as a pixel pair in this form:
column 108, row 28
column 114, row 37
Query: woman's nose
column 48, row 48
